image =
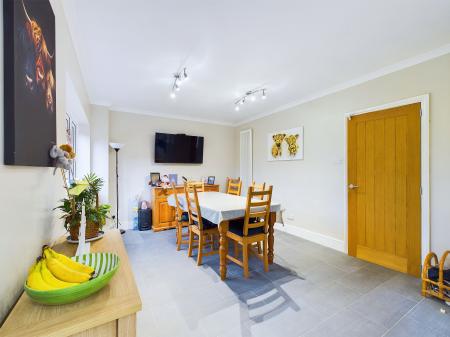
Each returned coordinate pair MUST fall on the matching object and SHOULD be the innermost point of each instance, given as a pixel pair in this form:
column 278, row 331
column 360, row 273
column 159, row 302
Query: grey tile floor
column 309, row 291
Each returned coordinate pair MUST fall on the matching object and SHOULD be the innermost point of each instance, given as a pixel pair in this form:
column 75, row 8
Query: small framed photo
column 173, row 178
column 211, row 180
column 155, row 178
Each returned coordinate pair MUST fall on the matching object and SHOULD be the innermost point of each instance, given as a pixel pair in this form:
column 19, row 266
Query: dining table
column 220, row 208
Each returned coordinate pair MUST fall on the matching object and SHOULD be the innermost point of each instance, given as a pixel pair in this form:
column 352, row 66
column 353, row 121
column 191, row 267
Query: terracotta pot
column 92, row 230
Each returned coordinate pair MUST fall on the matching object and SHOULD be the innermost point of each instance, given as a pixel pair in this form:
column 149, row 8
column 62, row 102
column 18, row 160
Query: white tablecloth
column 217, row 207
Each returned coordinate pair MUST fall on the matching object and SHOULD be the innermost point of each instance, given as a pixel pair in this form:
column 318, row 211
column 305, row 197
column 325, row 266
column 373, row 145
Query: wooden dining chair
column 234, row 186
column 201, row 227
column 253, row 228
column 259, row 187
column 199, row 185
column 182, row 219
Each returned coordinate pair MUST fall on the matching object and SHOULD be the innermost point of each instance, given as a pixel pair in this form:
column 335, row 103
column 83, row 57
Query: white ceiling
column 128, row 50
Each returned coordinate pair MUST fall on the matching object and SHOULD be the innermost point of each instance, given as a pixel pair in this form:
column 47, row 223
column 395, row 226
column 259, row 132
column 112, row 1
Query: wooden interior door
column 384, row 188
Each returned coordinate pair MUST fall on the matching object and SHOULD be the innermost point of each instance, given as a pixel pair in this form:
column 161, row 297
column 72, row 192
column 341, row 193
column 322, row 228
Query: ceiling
column 129, row 50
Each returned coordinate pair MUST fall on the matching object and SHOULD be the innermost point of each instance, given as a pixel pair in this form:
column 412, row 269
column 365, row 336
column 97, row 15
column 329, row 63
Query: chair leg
column 265, row 256
column 179, row 235
column 201, row 239
column 245, row 258
column 191, row 242
column 258, row 244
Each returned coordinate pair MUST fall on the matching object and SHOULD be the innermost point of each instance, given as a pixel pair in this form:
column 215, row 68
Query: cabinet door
column 166, row 212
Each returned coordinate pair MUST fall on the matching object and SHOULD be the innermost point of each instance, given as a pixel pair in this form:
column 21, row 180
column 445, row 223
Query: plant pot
column 92, row 230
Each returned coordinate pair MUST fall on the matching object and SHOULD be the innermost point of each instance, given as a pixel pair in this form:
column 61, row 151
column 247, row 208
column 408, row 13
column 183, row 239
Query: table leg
column 272, row 219
column 223, row 250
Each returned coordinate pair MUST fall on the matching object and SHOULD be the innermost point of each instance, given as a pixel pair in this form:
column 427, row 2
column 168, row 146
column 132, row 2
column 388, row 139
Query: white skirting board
column 315, row 237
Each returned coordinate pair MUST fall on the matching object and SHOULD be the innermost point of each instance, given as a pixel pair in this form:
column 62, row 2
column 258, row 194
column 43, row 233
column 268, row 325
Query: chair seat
column 237, row 227
column 207, row 224
column 184, row 217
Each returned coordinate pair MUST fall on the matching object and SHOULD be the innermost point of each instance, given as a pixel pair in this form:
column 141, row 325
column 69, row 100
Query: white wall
column 76, row 110
column 100, row 147
column 28, row 194
column 313, row 191
column 136, row 159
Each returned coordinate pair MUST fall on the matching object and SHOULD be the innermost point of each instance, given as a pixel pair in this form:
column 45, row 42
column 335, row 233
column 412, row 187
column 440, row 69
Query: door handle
column 352, row 187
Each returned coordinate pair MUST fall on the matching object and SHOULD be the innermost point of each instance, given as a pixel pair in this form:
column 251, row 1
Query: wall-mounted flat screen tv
column 182, row 149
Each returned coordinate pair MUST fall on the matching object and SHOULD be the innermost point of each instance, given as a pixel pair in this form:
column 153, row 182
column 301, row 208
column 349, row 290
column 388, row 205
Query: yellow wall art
column 286, row 145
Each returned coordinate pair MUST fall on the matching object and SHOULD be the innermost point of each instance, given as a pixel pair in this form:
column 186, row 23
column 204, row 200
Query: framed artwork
column 155, row 178
column 211, row 180
column 29, row 82
column 173, row 178
column 285, row 145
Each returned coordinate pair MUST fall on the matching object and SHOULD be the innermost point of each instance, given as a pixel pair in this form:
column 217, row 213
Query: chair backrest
column 195, row 215
column 234, row 186
column 258, row 207
column 199, row 185
column 259, row 187
column 179, row 210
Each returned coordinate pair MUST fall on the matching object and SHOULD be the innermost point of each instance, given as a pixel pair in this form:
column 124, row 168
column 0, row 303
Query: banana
column 82, row 268
column 35, row 280
column 49, row 278
column 63, row 272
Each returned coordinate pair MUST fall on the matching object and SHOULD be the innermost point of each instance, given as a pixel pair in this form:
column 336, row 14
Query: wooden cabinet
column 111, row 312
column 163, row 215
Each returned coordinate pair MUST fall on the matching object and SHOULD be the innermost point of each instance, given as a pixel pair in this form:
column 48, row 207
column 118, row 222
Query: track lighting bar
column 251, row 95
column 178, row 78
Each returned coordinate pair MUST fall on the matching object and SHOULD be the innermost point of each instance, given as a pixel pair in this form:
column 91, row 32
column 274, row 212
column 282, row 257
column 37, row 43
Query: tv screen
column 178, row 149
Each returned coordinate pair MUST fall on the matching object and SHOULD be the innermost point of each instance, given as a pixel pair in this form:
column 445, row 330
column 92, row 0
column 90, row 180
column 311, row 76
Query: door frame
column 250, row 132
column 424, row 101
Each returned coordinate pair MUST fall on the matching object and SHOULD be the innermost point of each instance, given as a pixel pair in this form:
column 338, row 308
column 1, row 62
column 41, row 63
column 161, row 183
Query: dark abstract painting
column 30, row 82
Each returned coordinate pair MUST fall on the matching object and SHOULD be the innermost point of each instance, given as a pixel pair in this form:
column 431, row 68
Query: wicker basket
column 435, row 287
column 92, row 230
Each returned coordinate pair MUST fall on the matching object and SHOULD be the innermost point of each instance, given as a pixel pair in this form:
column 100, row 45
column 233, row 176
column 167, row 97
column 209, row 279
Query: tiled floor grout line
column 401, row 318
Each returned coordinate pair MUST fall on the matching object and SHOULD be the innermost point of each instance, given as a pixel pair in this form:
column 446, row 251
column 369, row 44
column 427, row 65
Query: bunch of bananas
column 56, row 271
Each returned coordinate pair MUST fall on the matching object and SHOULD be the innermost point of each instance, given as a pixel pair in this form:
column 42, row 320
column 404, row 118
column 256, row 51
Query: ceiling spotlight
column 179, row 77
column 236, row 108
column 252, row 95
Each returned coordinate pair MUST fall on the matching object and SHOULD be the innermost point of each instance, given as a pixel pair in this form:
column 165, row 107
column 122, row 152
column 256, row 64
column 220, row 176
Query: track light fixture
column 251, row 95
column 178, row 78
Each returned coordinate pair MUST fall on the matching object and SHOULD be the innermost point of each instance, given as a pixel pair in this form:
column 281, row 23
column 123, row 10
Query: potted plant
column 95, row 213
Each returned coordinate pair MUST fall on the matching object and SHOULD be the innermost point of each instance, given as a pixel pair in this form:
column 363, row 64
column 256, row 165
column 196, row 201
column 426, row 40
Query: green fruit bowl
column 105, row 265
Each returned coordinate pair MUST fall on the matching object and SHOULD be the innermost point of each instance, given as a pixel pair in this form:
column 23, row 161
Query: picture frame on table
column 211, row 180
column 155, row 178
column 173, row 178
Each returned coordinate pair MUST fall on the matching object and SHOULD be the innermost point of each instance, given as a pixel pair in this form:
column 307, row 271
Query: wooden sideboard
column 109, row 312
column 163, row 215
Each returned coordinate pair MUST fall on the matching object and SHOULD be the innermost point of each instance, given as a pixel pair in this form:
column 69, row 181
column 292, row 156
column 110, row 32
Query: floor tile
column 383, row 306
column 428, row 312
column 409, row 327
column 347, row 323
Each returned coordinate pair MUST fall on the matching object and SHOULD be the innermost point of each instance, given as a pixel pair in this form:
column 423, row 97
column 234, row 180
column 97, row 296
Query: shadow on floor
column 261, row 296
